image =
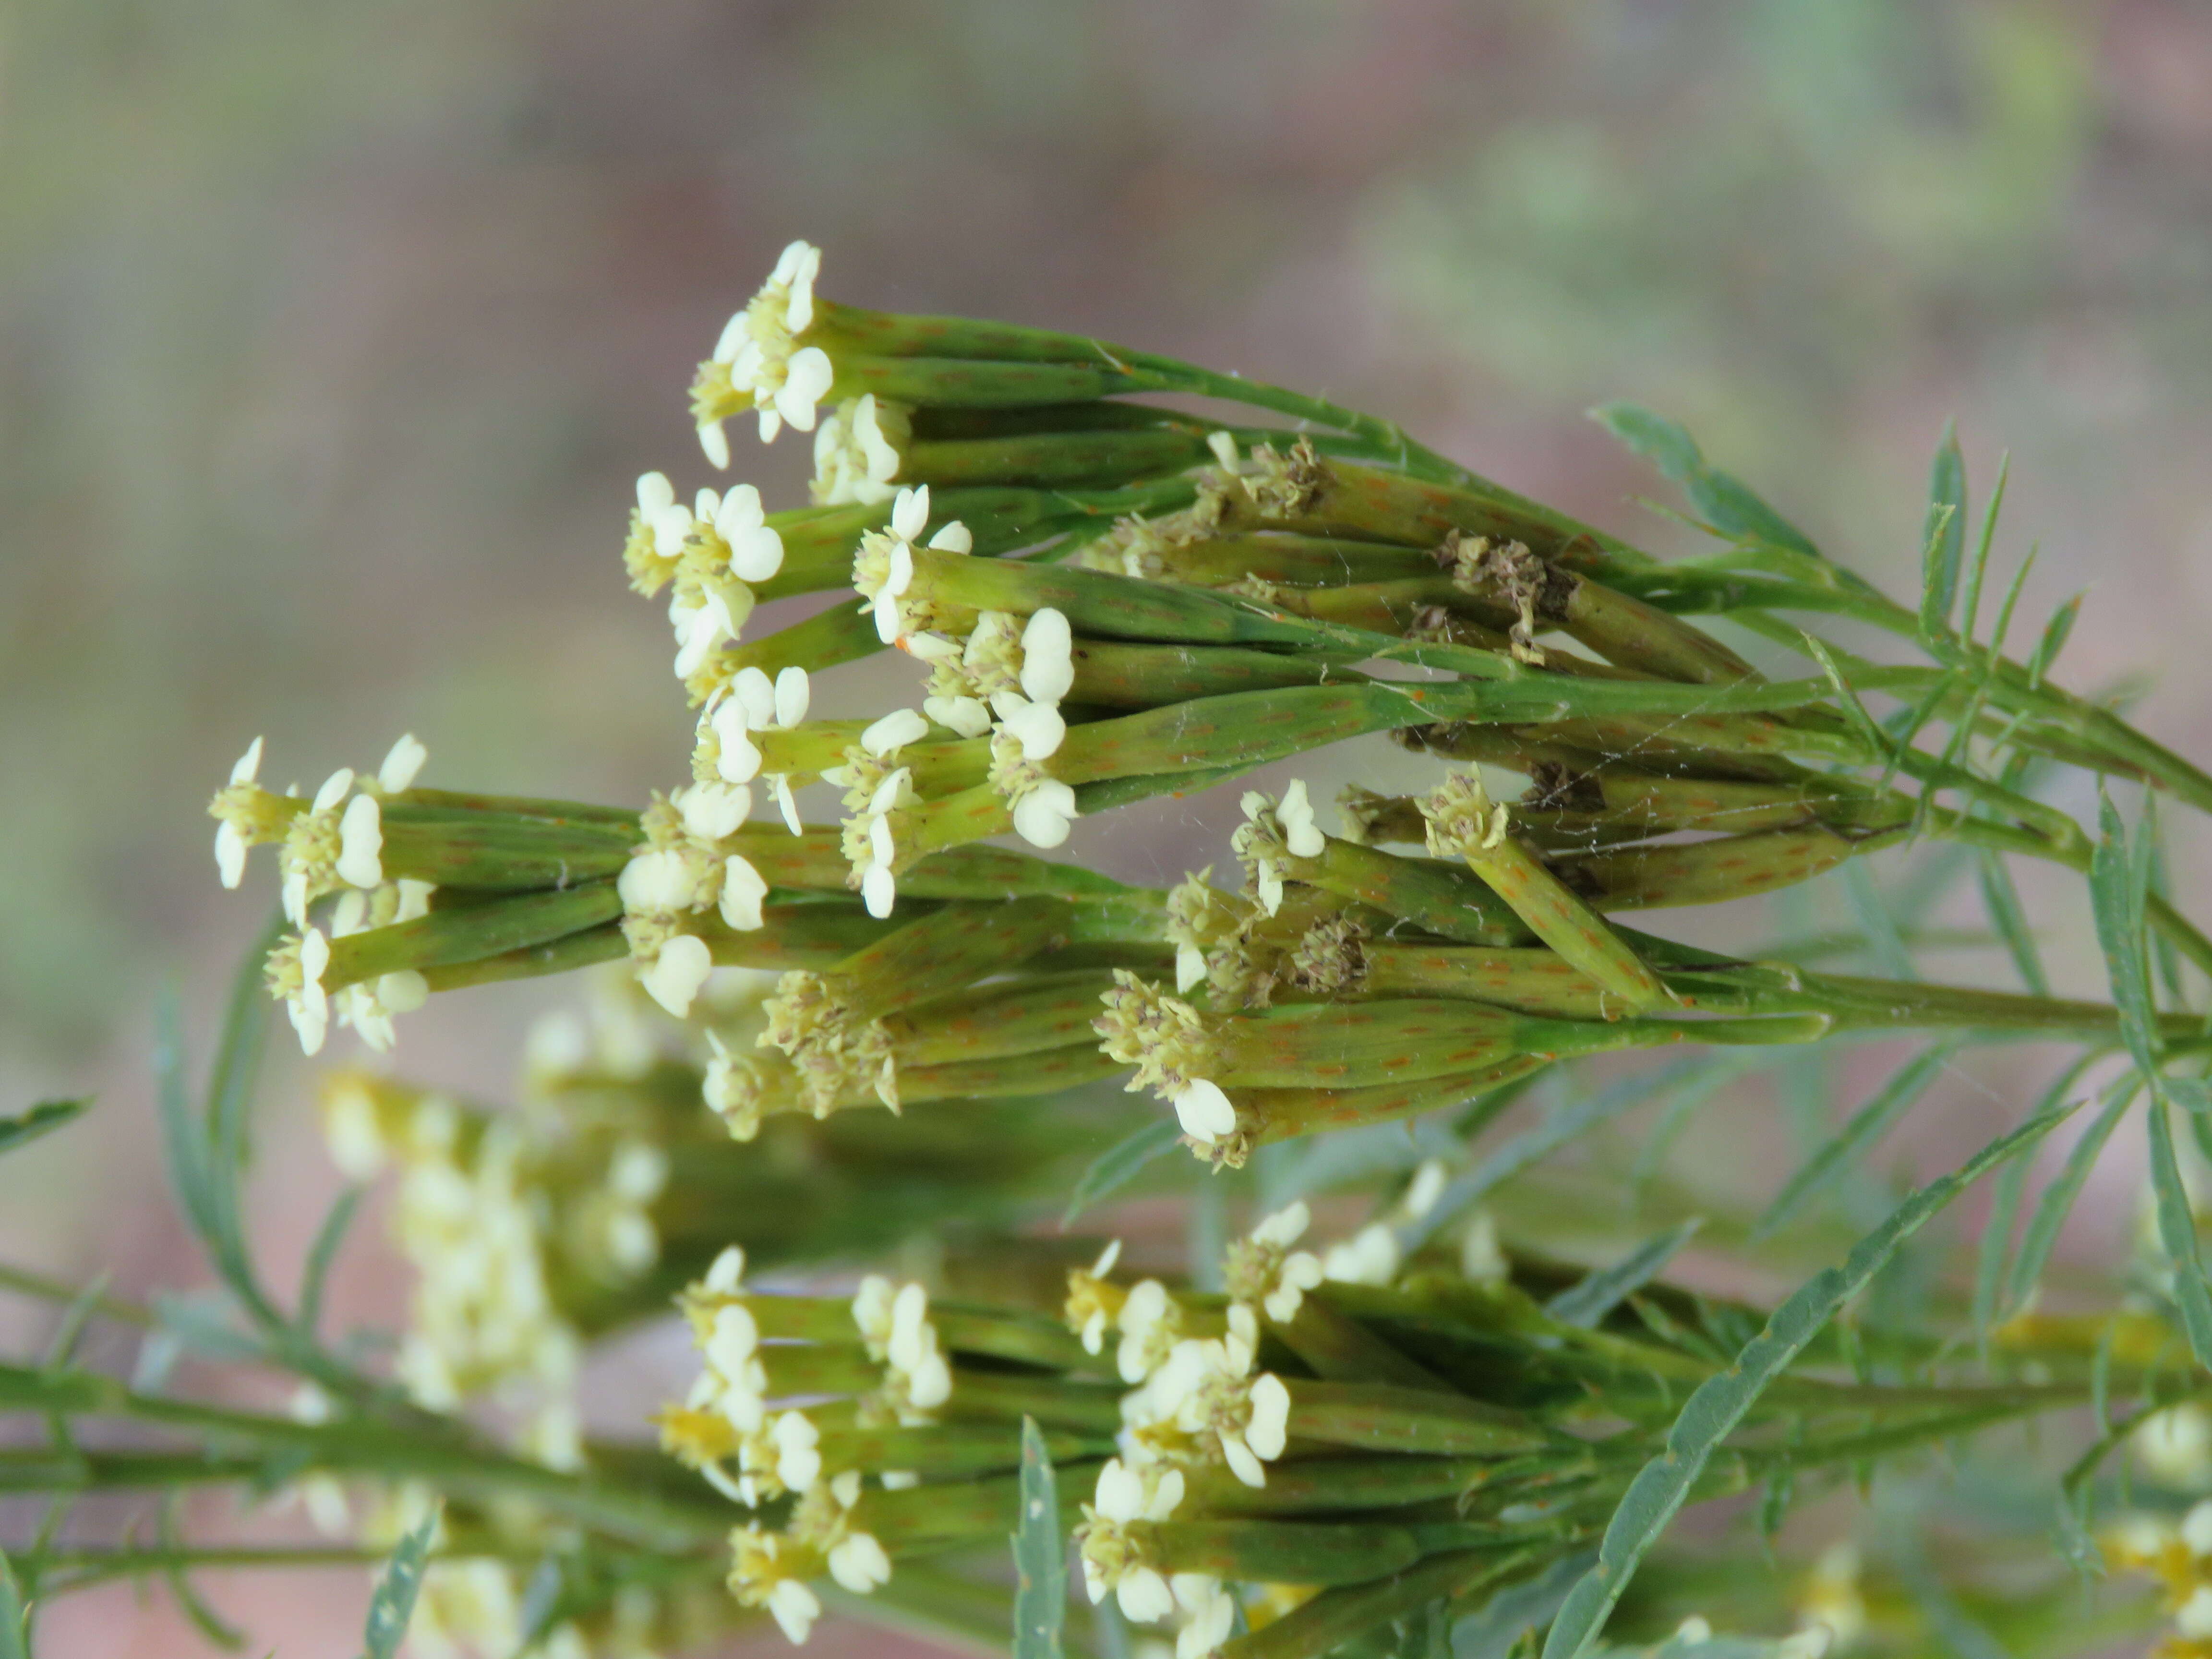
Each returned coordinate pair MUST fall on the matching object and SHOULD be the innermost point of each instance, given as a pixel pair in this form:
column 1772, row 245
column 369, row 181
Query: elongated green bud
column 1535, row 981
column 1174, row 549
column 1463, row 820
column 1712, row 872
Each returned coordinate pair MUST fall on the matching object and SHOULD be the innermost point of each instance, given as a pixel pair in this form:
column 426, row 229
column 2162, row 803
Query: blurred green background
column 332, row 335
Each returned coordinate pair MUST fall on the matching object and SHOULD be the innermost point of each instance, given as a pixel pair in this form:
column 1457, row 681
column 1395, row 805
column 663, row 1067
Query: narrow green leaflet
column 393, row 1604
column 1944, row 539
column 2054, row 639
column 2002, row 900
column 15, row 1615
column 323, row 1251
column 1597, row 1294
column 1850, row 1145
column 2177, row 1230
column 1040, row 1555
column 1117, row 1166
column 1719, row 1404
column 1722, row 501
column 1996, row 1249
column 1970, row 603
column 2119, row 880
column 42, row 1119
column 2056, row 1201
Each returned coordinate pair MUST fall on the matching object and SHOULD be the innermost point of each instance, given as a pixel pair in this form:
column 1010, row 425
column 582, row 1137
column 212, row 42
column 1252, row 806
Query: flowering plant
column 831, row 1068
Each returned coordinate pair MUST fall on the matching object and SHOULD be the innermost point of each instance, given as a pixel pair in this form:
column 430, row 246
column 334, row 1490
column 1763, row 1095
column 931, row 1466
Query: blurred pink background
column 333, row 337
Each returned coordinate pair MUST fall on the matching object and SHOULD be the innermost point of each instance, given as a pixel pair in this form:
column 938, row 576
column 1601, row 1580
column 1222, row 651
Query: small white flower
column 307, row 1004
column 230, row 843
column 743, row 889
column 1204, row 1111
column 401, row 763
column 672, row 978
column 856, row 452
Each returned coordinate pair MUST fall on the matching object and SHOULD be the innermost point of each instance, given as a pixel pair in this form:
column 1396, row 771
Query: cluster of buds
column 1109, row 601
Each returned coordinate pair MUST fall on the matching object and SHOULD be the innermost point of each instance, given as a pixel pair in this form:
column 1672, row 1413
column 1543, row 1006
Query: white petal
column 677, row 972
column 360, row 843
column 954, row 537
column 403, row 990
column 229, row 853
column 968, row 716
column 716, row 443
column 1047, row 657
column 654, row 493
column 888, row 624
column 756, row 554
column 1190, row 967
column 859, row 1563
column 249, row 764
column 787, row 804
column 743, row 888
column 1119, row 1495
column 1104, row 1265
column 1037, row 725
column 894, row 730
column 879, row 890
column 670, row 527
column 334, row 789
column 712, row 811
column 754, row 693
column 739, row 761
column 1242, row 1463
column 910, row 512
column 793, row 691
column 1204, row 1111
column 806, row 380
column 1268, row 1430
column 735, row 333
column 401, row 764
column 727, row 1273
column 1037, row 822
column 893, row 792
column 315, row 957
column 1145, row 1596
column 795, row 1608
